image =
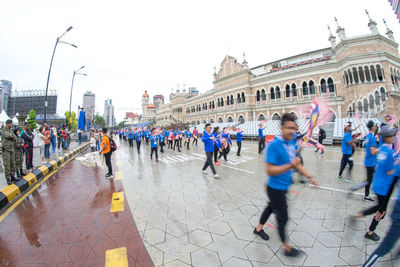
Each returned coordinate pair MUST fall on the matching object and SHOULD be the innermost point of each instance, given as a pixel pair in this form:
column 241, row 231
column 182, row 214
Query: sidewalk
column 67, row 222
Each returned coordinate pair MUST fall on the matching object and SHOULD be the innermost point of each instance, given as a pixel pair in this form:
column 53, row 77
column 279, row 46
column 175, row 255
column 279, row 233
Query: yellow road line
column 119, row 175
column 117, row 202
column 22, row 198
column 117, row 257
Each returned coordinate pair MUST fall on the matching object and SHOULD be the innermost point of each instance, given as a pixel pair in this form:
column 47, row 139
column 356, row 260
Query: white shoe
column 205, row 172
column 216, row 175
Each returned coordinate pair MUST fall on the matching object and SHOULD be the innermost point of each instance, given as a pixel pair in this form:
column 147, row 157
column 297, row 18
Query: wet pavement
column 176, row 216
column 67, row 222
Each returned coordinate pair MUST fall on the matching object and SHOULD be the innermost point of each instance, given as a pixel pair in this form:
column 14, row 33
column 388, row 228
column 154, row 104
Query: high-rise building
column 157, row 99
column 5, row 87
column 89, row 104
column 109, row 113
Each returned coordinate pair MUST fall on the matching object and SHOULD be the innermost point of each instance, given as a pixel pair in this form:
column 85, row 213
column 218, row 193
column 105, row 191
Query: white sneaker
column 216, row 175
column 205, row 172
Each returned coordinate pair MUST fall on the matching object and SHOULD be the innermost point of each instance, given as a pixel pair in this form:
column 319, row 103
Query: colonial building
column 359, row 73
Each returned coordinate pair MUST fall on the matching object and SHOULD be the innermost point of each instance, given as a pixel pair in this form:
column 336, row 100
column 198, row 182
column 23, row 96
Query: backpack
column 113, row 146
column 323, row 134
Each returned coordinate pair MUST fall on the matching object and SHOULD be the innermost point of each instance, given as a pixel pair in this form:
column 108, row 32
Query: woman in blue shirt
column 138, row 138
column 239, row 136
column 217, row 144
column 347, row 150
column 226, row 143
column 280, row 161
column 153, row 139
column 371, row 151
column 383, row 183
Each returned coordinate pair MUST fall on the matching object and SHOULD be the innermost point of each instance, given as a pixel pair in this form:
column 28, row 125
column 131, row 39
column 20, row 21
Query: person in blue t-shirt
column 371, row 151
column 208, row 140
column 383, row 183
column 130, row 137
column 217, row 145
column 261, row 139
column 226, row 143
column 161, row 141
column 176, row 139
column 187, row 135
column 138, row 138
column 239, row 136
column 280, row 161
column 153, row 139
column 347, row 147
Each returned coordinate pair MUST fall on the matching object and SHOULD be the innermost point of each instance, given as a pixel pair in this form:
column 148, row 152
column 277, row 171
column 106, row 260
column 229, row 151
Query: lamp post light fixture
column 76, row 72
column 51, row 63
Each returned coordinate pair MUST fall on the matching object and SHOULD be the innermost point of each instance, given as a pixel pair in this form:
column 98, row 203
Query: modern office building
column 5, row 92
column 109, row 113
column 89, row 105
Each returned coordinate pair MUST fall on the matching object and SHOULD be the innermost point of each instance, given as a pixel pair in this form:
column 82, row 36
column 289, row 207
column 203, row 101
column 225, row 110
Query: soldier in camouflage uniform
column 8, row 139
column 18, row 154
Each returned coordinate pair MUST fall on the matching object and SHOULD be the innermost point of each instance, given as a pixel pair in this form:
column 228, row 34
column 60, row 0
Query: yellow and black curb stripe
column 8, row 194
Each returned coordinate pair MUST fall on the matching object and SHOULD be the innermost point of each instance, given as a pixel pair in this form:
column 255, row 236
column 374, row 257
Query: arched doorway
column 276, row 117
column 241, row 119
column 261, row 117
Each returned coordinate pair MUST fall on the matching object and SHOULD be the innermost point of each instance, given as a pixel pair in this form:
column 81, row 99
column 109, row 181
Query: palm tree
column 98, row 121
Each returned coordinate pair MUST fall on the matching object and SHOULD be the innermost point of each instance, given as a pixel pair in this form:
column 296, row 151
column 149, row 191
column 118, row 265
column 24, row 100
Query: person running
column 195, row 134
column 106, row 150
column 176, row 141
column 130, row 137
column 261, row 139
column 208, row 140
column 239, row 136
column 161, row 139
column 153, row 144
column 321, row 137
column 138, row 138
column 383, row 183
column 371, row 151
column 187, row 141
column 170, row 138
column 217, row 145
column 347, row 150
column 280, row 161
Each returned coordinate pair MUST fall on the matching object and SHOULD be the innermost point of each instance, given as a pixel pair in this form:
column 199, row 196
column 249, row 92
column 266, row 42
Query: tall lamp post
column 51, row 63
column 76, row 72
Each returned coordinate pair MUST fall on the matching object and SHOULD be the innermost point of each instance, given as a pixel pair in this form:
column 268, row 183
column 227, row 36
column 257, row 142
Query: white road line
column 340, row 190
column 337, row 161
column 238, row 169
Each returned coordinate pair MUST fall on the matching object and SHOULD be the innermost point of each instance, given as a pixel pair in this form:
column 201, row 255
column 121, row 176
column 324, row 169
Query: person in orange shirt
column 106, row 150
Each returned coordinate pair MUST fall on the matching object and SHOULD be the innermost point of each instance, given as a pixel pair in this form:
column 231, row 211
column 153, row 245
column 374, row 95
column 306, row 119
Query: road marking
column 237, row 169
column 117, row 202
column 117, row 257
column 336, row 161
column 339, row 190
column 119, row 175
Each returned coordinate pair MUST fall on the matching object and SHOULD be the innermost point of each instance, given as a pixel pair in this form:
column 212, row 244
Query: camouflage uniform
column 18, row 153
column 8, row 139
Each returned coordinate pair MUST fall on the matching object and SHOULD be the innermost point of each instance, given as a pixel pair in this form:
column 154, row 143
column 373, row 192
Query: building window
column 220, row 120
column 361, row 73
column 230, row 119
column 311, row 86
column 241, row 119
column 379, row 72
column 287, row 91
column 367, row 74
column 305, row 89
column 294, row 90
column 243, row 98
column 278, row 92
column 331, row 86
column 272, row 92
column 231, row 99
column 350, row 76
column 258, row 96
column 238, row 98
column 261, row 117
column 373, row 73
column 383, row 94
column 365, row 105
column 211, row 121
column 263, row 95
column 276, row 117
column 377, row 98
column 359, row 106
column 371, row 102
column 355, row 73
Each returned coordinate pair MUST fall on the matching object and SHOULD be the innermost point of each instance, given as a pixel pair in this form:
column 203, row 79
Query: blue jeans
column 53, row 145
column 390, row 239
column 97, row 145
column 47, row 151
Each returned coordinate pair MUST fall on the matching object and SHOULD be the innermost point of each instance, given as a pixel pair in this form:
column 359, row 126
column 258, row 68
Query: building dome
column 150, row 106
column 145, row 94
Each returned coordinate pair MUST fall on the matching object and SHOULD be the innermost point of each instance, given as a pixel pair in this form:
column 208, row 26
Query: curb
column 11, row 192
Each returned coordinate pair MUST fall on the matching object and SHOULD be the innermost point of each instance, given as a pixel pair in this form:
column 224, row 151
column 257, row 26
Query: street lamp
column 51, row 63
column 76, row 72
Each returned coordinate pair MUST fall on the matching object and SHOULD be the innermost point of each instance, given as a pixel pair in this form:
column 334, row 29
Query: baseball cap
column 387, row 130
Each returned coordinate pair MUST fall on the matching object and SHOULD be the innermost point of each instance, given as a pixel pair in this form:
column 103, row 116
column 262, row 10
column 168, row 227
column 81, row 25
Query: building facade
column 89, row 105
column 109, row 113
column 360, row 73
column 5, row 92
column 157, row 100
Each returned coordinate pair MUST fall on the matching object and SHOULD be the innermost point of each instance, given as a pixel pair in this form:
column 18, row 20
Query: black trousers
column 162, row 144
column 176, row 143
column 195, row 140
column 188, row 143
column 209, row 162
column 28, row 157
column 107, row 156
column 261, row 144
column 154, row 149
column 346, row 159
column 216, row 150
column 225, row 152
column 169, row 143
column 277, row 204
column 180, row 142
column 239, row 144
column 138, row 146
column 131, row 142
column 380, row 209
column 370, row 175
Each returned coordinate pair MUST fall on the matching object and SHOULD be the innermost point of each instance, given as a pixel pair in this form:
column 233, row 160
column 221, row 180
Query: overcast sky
column 130, row 46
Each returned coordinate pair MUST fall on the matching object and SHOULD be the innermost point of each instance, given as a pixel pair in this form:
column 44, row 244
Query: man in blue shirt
column 347, row 150
column 161, row 138
column 153, row 139
column 239, row 136
column 384, row 181
column 280, row 161
column 370, row 157
column 130, row 137
column 176, row 139
column 208, row 140
column 138, row 138
column 188, row 135
column 261, row 139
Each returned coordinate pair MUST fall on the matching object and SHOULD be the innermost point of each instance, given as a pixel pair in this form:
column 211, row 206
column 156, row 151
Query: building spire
column 371, row 24
column 215, row 73
column 245, row 62
column 340, row 31
column 389, row 32
column 331, row 38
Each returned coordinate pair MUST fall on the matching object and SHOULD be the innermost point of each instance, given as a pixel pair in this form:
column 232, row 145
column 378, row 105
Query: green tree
column 121, row 124
column 32, row 119
column 98, row 121
column 70, row 120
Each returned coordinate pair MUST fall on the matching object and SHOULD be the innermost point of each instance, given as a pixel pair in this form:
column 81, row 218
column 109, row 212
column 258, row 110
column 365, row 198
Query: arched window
column 263, row 95
column 383, row 94
column 241, row 119
column 305, row 89
column 294, row 90
column 350, row 76
column 346, row 77
column 377, row 98
column 211, row 121
column 272, row 92
column 331, row 86
column 359, row 106
column 213, row 104
column 350, row 112
column 231, row 99
column 222, row 101
column 218, row 103
column 258, row 96
column 243, row 98
column 276, row 117
column 278, row 92
column 311, row 87
column 367, row 74
column 371, row 102
column 238, row 98
column 287, row 91
column 373, row 73
column 198, row 122
column 261, row 117
column 323, row 86
column 365, row 102
column 361, row 73
column 356, row 80
column 204, row 121
column 379, row 72
column 230, row 119
column 220, row 120
column 227, row 101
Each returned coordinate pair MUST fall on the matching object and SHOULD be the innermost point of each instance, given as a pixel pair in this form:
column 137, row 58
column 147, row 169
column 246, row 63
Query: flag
column 314, row 116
